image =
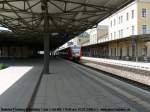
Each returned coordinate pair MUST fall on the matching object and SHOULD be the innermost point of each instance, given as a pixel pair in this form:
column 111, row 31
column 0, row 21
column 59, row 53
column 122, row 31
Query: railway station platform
column 71, row 87
column 135, row 71
column 18, row 83
column 131, row 64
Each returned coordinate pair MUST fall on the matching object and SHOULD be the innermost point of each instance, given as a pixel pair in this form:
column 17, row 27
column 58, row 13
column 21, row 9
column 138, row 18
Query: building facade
column 99, row 34
column 93, row 36
column 131, row 22
column 80, row 40
column 102, row 33
column 128, row 34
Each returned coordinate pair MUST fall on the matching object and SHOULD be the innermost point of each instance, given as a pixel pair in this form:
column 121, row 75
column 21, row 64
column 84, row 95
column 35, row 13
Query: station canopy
column 67, row 19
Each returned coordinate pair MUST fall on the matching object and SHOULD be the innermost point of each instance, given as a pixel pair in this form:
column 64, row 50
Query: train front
column 76, row 51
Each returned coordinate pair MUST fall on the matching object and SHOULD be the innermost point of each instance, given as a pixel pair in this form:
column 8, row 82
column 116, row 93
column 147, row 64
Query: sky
column 2, row 28
column 104, row 22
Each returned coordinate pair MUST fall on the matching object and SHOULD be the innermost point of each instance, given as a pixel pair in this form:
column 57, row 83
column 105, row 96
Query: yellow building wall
column 101, row 33
column 125, row 44
column 140, row 47
column 143, row 20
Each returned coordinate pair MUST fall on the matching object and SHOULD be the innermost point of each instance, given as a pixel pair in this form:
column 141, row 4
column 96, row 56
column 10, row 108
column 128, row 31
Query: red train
column 72, row 53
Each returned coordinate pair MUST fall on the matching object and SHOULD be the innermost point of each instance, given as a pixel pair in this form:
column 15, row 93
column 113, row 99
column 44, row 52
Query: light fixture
column 54, row 34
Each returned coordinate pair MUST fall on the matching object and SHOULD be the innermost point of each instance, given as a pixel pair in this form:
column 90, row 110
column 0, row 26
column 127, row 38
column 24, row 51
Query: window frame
column 132, row 14
column 144, row 29
column 144, row 12
column 127, row 16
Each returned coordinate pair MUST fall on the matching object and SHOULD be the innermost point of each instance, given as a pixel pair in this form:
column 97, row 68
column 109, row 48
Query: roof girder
column 63, row 19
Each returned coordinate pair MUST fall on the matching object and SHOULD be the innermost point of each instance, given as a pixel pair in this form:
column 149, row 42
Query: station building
column 128, row 35
column 80, row 40
column 99, row 34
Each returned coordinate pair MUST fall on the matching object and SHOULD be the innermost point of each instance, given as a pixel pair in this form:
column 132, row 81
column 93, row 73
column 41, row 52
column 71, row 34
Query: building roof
column 66, row 18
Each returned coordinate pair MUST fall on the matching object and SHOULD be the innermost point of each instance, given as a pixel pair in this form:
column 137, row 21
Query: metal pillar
column 134, row 46
column 46, row 36
column 137, row 57
column 117, row 55
column 46, row 54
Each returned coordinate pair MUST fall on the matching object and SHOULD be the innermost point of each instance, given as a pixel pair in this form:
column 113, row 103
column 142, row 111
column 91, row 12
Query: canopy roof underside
column 67, row 18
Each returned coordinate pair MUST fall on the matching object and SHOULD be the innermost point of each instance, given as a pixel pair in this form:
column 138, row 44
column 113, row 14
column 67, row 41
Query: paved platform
column 11, row 75
column 74, row 87
column 18, row 82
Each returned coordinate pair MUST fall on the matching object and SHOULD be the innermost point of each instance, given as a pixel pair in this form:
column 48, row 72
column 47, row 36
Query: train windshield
column 76, row 50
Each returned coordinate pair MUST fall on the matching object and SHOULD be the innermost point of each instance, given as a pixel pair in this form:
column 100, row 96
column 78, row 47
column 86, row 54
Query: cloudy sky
column 104, row 22
column 2, row 28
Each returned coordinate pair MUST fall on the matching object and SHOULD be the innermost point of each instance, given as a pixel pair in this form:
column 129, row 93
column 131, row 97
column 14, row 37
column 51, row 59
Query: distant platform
column 136, row 71
column 130, row 64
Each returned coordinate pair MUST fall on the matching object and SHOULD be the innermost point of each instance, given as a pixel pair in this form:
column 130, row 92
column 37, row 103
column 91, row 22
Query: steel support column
column 136, row 50
column 46, row 36
column 117, row 55
column 46, row 54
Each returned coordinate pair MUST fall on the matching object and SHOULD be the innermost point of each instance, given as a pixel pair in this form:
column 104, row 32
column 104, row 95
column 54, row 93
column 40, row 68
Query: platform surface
column 17, row 82
column 73, row 86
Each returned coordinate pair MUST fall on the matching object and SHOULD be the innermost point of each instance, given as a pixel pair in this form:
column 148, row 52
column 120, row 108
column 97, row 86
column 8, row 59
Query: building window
column 132, row 14
column 111, row 23
column 121, row 33
column 144, row 29
column 114, row 22
column 121, row 19
column 127, row 29
column 79, row 40
column 111, row 35
column 144, row 12
column 127, row 15
column 114, row 34
column 132, row 30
